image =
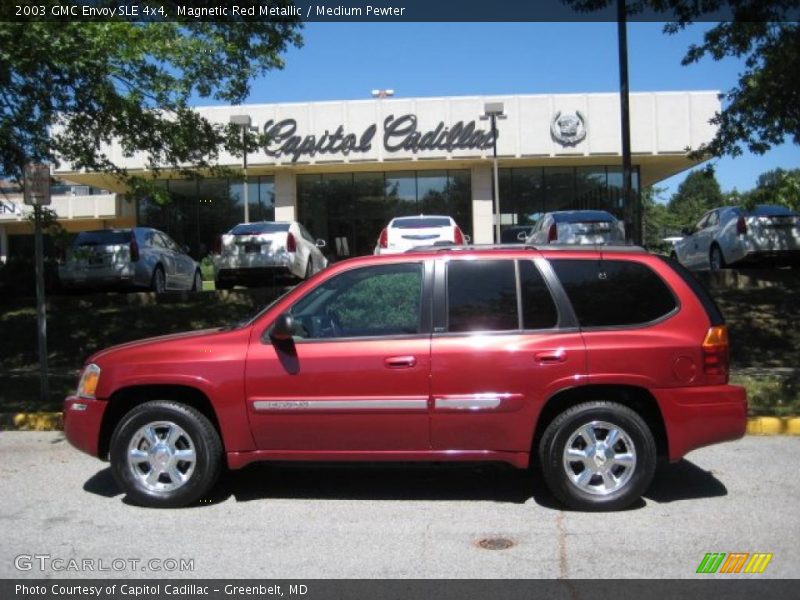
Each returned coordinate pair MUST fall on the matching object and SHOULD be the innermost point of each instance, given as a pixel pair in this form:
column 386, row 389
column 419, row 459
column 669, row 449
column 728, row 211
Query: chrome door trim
column 289, row 404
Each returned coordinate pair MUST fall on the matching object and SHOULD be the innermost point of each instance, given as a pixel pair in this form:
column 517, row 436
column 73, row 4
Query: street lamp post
column 494, row 111
column 244, row 121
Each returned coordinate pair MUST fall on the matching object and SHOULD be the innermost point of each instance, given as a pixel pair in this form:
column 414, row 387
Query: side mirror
column 522, row 236
column 467, row 239
column 686, row 231
column 321, row 243
column 282, row 328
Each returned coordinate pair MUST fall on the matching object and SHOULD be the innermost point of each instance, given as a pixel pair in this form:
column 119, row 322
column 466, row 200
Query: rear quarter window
column 614, row 293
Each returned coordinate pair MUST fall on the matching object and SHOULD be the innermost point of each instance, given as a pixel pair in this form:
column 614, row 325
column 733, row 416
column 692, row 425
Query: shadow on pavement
column 346, row 481
column 102, row 483
column 684, row 481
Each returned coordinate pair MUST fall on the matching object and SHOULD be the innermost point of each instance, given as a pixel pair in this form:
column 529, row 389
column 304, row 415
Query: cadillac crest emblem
column 568, row 129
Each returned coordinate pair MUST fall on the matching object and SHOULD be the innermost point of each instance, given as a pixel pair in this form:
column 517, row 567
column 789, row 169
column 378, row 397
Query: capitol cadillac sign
column 281, row 140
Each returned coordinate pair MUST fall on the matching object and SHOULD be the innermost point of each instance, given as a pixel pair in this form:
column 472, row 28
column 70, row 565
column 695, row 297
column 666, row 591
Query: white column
column 482, row 210
column 285, row 197
column 3, row 245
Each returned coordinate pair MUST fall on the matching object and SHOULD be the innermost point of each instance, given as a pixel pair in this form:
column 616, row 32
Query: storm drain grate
column 495, row 543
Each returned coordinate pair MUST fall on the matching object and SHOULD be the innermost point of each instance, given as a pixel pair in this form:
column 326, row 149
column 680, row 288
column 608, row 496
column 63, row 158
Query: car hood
column 151, row 342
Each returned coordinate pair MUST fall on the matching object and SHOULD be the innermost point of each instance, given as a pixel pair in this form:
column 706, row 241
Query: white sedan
column 404, row 233
column 256, row 253
column 731, row 235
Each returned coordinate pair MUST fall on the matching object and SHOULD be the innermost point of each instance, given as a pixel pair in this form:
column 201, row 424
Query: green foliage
column 775, row 187
column 763, row 109
column 699, row 192
column 67, row 89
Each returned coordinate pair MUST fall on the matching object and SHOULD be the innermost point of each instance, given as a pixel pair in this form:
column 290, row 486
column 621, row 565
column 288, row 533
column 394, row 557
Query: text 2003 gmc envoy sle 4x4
column 593, row 362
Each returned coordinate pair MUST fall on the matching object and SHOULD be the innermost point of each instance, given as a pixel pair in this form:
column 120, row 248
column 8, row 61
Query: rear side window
column 482, row 295
column 538, row 309
column 609, row 293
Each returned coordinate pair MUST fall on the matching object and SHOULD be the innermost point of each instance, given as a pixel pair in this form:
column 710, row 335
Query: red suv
column 591, row 362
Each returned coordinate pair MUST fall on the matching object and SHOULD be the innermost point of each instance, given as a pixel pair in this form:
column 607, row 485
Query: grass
column 776, row 393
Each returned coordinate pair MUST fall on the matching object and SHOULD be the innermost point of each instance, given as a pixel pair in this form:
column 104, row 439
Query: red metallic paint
column 236, row 368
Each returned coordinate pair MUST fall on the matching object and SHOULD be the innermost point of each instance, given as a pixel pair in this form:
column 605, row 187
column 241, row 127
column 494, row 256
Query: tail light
column 741, row 226
column 216, row 247
column 383, row 239
column 458, row 238
column 134, row 249
column 716, row 351
column 552, row 234
column 291, row 243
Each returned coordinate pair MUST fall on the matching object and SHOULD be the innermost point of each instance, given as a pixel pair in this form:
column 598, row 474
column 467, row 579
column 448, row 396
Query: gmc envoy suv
column 590, row 362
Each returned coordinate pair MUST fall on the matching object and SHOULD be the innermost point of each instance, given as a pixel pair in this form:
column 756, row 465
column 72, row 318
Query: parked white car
column 138, row 257
column 731, row 235
column 577, row 227
column 256, row 253
column 405, row 233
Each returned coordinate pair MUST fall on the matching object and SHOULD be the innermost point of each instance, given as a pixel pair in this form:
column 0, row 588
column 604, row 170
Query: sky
column 345, row 61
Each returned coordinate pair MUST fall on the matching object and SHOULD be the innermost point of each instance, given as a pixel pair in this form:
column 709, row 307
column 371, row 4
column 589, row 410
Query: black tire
column 194, row 435
column 562, row 434
column 197, row 283
column 716, row 260
column 158, row 282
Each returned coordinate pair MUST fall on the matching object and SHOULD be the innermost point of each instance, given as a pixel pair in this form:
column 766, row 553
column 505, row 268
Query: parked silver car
column 731, row 235
column 255, row 253
column 577, row 227
column 138, row 257
column 405, row 233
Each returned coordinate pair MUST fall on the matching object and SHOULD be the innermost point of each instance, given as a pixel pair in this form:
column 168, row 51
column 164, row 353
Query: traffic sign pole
column 41, row 315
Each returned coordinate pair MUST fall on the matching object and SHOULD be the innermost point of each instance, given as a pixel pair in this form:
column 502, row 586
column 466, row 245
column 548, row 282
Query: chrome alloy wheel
column 161, row 456
column 599, row 458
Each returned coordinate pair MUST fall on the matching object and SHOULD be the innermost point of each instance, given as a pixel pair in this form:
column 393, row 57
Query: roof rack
column 558, row 247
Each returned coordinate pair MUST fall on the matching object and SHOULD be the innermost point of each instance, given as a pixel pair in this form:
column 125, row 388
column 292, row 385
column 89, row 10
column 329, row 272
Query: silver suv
column 139, row 257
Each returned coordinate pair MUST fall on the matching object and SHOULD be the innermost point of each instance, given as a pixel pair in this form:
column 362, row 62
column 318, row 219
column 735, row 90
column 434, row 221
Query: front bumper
column 699, row 416
column 83, row 418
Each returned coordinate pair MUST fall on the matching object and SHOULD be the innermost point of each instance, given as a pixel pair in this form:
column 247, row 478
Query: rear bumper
column 99, row 277
column 699, row 416
column 83, row 418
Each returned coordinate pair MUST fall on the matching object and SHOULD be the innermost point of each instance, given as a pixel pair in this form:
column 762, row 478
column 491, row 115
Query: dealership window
column 201, row 210
column 349, row 210
column 526, row 193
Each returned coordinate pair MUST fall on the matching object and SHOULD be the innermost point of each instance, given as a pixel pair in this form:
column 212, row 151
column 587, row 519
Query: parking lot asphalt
column 323, row 521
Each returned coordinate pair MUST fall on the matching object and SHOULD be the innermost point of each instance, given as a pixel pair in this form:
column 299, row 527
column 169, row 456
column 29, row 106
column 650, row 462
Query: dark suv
column 592, row 363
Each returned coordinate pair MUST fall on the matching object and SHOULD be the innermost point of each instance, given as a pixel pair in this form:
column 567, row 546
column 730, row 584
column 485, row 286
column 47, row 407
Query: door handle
column 399, row 362
column 548, row 357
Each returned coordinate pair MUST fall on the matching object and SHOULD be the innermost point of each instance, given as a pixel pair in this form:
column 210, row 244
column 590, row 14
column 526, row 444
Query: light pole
column 244, row 121
column 632, row 213
column 493, row 111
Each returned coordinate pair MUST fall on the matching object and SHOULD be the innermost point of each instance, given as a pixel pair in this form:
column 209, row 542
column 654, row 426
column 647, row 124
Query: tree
column 656, row 220
column 775, row 187
column 699, row 192
column 764, row 108
column 67, row 89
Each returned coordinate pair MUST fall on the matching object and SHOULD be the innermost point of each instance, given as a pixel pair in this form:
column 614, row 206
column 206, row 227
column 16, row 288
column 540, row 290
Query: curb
column 53, row 421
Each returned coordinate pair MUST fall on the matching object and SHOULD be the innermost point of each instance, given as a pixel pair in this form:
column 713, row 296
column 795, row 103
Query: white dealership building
column 345, row 168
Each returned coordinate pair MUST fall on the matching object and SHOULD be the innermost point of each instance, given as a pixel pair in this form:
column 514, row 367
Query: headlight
column 89, row 380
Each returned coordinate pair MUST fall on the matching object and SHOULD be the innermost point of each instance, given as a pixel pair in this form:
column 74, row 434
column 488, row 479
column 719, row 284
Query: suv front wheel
column 598, row 456
column 165, row 454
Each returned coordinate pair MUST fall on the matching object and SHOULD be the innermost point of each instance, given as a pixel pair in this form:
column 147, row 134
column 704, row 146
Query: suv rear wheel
column 165, row 454
column 598, row 456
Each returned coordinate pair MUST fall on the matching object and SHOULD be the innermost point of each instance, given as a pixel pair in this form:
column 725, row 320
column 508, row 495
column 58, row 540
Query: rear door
column 500, row 348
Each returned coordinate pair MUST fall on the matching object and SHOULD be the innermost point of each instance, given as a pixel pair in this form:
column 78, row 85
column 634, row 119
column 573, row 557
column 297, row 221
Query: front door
column 355, row 376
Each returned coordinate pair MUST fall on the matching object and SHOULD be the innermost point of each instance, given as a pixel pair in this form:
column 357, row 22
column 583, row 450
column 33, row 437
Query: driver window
column 368, row 302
